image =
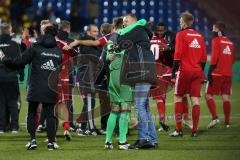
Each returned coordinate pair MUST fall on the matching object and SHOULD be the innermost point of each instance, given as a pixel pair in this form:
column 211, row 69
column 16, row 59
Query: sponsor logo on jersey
column 4, row 45
column 50, row 55
column 227, row 50
column 194, row 44
column 48, row 66
column 193, row 35
column 226, row 42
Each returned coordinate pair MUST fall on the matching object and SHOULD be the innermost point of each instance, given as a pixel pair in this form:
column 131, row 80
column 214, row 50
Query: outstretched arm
column 19, row 61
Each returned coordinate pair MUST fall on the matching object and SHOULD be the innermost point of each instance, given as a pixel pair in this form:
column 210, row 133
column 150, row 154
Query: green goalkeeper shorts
column 120, row 95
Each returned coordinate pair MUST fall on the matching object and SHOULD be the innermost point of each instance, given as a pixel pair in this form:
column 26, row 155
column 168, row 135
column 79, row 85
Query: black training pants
column 9, row 93
column 48, row 108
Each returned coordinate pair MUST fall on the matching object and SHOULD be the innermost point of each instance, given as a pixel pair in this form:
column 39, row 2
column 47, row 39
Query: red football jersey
column 223, row 52
column 103, row 40
column 190, row 49
column 155, row 47
column 67, row 54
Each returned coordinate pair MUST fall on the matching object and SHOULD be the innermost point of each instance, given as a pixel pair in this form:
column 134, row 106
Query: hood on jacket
column 5, row 38
column 47, row 41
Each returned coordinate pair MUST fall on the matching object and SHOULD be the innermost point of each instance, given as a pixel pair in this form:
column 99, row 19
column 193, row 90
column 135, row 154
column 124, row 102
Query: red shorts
column 220, row 85
column 164, row 83
column 63, row 86
column 188, row 82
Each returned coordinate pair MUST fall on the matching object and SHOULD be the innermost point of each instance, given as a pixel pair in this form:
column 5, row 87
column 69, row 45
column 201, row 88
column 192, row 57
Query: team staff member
column 44, row 57
column 220, row 73
column 9, row 89
column 85, row 77
column 189, row 59
column 105, row 109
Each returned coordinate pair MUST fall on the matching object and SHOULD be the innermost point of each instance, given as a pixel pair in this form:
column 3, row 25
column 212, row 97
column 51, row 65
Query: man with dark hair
column 44, row 57
column 220, row 73
column 189, row 60
column 106, row 31
column 163, row 47
column 85, row 79
column 9, row 89
column 169, row 47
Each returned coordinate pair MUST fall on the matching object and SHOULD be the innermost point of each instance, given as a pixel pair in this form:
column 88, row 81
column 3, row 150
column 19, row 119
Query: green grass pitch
column 218, row 143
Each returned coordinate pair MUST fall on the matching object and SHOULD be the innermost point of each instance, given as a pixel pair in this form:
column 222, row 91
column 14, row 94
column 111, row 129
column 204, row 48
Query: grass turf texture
column 217, row 143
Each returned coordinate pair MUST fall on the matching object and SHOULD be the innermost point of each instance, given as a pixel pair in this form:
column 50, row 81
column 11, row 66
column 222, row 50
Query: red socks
column 66, row 126
column 195, row 117
column 178, row 110
column 185, row 109
column 161, row 110
column 227, row 110
column 37, row 118
column 212, row 108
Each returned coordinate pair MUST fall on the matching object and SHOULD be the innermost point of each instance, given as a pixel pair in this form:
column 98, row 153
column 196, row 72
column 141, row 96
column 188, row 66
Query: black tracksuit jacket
column 10, row 49
column 44, row 58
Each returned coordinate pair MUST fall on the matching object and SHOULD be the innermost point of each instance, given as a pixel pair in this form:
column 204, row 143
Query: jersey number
column 155, row 50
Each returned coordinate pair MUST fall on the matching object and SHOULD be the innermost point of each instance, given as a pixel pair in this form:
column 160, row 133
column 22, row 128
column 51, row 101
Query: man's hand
column 74, row 44
column 111, row 57
column 71, row 45
column 1, row 55
column 163, row 47
column 66, row 47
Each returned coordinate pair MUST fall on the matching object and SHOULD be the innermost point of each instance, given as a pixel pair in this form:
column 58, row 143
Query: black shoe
column 32, row 145
column 95, row 132
column 133, row 146
column 41, row 128
column 103, row 131
column 123, row 146
column 165, row 127
column 72, row 129
column 67, row 135
column 108, row 145
column 81, row 132
column 142, row 144
column 52, row 146
column 176, row 134
column 194, row 134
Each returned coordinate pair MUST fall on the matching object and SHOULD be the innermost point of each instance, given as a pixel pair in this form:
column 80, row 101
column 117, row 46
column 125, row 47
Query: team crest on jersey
column 227, row 50
column 194, row 44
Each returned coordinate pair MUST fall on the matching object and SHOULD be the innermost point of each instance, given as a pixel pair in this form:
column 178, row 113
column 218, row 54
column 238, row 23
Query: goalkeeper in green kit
column 121, row 95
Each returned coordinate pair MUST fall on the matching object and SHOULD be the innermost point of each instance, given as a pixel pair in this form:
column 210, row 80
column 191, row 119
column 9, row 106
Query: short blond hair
column 44, row 22
column 187, row 17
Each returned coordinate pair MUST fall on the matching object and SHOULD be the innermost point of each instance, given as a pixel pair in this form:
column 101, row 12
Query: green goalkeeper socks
column 123, row 126
column 111, row 123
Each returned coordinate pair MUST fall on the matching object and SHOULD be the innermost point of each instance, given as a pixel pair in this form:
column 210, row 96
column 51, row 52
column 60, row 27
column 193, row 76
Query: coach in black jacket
column 87, row 65
column 9, row 89
column 44, row 57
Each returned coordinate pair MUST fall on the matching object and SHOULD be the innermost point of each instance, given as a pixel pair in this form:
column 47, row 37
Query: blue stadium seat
column 167, row 11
